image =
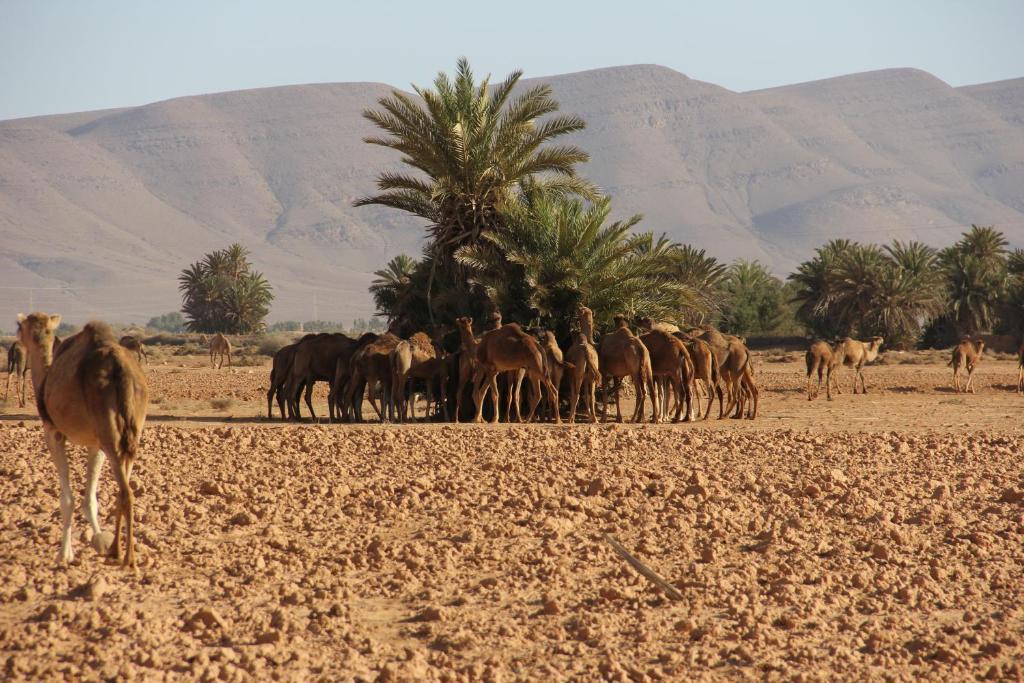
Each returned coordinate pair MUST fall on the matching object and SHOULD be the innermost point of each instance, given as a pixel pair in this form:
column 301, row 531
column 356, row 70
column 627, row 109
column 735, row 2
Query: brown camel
column 17, row 367
column 509, row 349
column 1020, row 368
column 280, row 373
column 133, row 343
column 705, row 372
column 338, row 396
column 738, row 376
column 821, row 360
column 966, row 354
column 671, row 365
column 219, row 348
column 371, row 365
column 94, row 394
column 855, row 354
column 467, row 363
column 314, row 361
column 418, row 357
column 622, row 354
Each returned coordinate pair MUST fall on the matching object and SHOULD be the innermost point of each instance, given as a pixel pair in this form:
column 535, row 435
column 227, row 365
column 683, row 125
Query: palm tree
column 221, row 293
column 555, row 253
column 813, row 281
column 471, row 145
column 754, row 301
column 392, row 288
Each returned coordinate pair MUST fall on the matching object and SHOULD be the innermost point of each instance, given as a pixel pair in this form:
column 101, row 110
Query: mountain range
column 99, row 211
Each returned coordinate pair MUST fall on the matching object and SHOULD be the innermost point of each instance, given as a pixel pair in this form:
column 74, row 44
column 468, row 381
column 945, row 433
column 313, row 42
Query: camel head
column 645, row 322
column 980, row 344
column 495, row 319
column 620, row 322
column 35, row 331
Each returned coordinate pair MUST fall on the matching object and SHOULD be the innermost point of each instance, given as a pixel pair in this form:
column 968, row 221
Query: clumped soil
column 805, row 544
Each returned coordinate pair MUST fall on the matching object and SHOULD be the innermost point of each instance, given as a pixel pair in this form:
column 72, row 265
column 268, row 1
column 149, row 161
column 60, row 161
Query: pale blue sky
column 73, row 55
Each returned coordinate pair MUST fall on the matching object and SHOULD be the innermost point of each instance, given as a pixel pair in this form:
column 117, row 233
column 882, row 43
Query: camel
column 508, row 349
column 583, row 376
column 93, row 393
column 370, row 365
column 650, row 324
column 854, row 354
column 1020, row 368
column 314, row 361
column 705, row 371
column 555, row 366
column 966, row 354
column 622, row 354
column 821, row 360
column 418, row 357
column 738, row 375
column 670, row 365
column 280, row 373
column 219, row 347
column 134, row 344
column 17, row 367
column 342, row 373
column 467, row 362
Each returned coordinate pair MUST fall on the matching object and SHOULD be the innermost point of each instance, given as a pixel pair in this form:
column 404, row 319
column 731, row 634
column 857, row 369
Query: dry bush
column 272, row 343
column 222, row 403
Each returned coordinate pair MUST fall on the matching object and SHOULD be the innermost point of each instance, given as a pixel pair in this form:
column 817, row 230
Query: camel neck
column 39, row 363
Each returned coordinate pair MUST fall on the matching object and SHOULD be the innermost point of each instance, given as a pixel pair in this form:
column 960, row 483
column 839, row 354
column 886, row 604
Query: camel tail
column 125, row 397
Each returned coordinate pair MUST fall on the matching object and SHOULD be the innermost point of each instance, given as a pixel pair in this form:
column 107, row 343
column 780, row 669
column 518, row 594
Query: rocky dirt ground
column 877, row 536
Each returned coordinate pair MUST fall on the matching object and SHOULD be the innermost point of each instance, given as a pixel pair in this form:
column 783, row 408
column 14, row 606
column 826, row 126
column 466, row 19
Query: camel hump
column 99, row 333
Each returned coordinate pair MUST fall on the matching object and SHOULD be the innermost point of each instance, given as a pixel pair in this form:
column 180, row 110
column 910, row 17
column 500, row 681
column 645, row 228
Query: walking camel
column 966, row 355
column 17, row 368
column 93, row 393
column 821, row 360
column 134, row 344
column 855, row 354
column 219, row 348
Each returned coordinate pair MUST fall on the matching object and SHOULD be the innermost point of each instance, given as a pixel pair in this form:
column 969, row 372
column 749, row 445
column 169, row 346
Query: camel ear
column 21, row 318
column 54, row 322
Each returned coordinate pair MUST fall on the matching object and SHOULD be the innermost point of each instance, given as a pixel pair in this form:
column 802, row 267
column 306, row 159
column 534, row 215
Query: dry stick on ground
column 644, row 570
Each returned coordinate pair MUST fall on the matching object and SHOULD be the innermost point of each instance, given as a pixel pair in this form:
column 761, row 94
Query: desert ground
column 876, row 536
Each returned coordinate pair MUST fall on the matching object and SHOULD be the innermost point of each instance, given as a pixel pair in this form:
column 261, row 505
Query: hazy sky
column 72, row 55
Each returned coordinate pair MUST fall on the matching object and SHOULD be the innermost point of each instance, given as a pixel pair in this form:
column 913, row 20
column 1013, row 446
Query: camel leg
column 458, row 394
column 575, row 384
column 372, row 384
column 520, row 375
column 552, row 390
column 444, row 396
column 535, row 397
column 92, row 479
column 122, row 474
column 616, row 386
column 58, row 453
column 752, row 388
column 7, row 390
column 309, row 400
column 481, row 384
column 604, row 399
column 592, row 399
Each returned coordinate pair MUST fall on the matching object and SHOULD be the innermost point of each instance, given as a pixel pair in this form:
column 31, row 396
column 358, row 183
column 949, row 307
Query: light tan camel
column 133, row 343
column 585, row 316
column 467, row 363
column 671, row 365
column 622, row 354
column 219, row 348
column 583, row 376
column 1020, row 368
column 94, row 394
column 418, row 357
column 738, row 375
column 555, row 366
column 821, row 360
column 966, row 354
column 17, row 368
column 649, row 324
column 371, row 365
column 855, row 354
column 509, row 349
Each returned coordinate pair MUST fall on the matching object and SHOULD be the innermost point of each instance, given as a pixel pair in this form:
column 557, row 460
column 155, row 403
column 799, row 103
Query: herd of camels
column 91, row 389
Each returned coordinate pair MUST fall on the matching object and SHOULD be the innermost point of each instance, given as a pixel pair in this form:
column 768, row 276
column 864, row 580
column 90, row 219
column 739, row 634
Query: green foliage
column 977, row 279
column 754, row 300
column 471, row 145
column 221, row 293
column 168, row 322
column 556, row 253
